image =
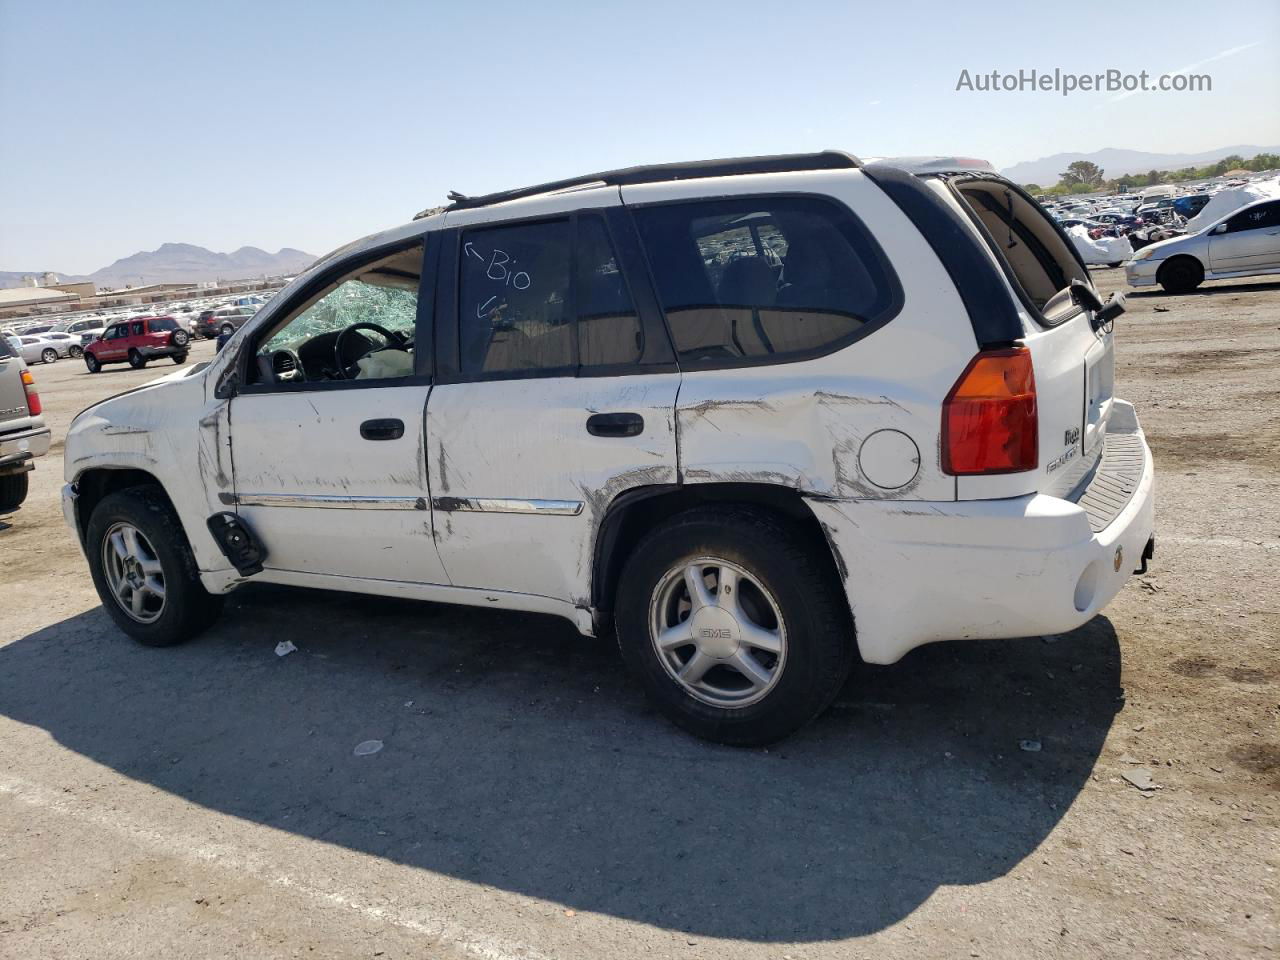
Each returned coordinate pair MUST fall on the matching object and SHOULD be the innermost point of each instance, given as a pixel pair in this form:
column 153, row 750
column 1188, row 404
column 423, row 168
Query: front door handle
column 382, row 429
column 615, row 424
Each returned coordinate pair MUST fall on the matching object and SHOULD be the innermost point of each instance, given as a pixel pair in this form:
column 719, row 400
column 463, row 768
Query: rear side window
column 162, row 324
column 765, row 279
column 545, row 298
column 513, row 297
column 609, row 331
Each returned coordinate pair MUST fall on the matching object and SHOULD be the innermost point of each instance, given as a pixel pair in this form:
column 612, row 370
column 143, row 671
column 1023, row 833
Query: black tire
column 92, row 363
column 181, row 338
column 226, row 330
column 77, row 353
column 13, row 490
column 803, row 582
column 1181, row 275
column 137, row 360
column 179, row 358
column 188, row 608
column 49, row 355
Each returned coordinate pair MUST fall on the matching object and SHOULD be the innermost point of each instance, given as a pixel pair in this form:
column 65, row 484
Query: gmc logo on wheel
column 711, row 633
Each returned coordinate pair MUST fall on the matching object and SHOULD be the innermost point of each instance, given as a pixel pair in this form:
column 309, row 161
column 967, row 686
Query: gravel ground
column 205, row 801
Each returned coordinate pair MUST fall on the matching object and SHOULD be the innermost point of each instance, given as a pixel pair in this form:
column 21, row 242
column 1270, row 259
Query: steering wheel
column 349, row 371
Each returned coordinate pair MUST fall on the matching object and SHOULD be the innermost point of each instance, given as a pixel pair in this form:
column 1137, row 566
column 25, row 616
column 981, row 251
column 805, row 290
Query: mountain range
column 1116, row 163
column 177, row 262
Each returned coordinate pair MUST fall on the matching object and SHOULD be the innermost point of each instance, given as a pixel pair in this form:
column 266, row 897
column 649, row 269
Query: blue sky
column 307, row 124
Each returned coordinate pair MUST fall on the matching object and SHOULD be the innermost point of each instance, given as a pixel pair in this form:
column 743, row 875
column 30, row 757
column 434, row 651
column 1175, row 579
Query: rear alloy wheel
column 137, row 360
column 77, row 352
column 13, row 490
column 92, row 363
column 1181, row 275
column 144, row 571
column 48, row 355
column 736, row 624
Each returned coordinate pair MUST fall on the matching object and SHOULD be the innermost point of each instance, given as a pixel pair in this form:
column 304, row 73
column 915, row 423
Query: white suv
column 764, row 415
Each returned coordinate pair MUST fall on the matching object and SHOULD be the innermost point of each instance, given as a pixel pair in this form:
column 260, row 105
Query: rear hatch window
column 1039, row 261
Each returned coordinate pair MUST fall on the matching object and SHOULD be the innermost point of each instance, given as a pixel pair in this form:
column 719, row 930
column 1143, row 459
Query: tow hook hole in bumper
column 238, row 543
column 1086, row 587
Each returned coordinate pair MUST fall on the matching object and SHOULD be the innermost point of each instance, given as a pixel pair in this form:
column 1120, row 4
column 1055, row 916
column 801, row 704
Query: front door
column 555, row 393
column 1250, row 242
column 327, row 428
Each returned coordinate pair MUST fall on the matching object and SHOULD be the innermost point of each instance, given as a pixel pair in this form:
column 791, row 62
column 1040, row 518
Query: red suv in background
column 138, row 340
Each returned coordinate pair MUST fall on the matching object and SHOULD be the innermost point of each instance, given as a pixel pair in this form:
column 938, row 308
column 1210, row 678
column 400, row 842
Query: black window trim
column 897, row 297
column 657, row 354
column 421, row 344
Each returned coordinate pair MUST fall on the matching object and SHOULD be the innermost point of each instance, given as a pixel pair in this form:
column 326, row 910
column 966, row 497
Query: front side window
column 1256, row 218
column 360, row 327
column 763, row 279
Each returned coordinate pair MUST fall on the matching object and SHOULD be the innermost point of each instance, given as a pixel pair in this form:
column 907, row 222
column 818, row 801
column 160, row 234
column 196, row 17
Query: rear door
column 555, row 391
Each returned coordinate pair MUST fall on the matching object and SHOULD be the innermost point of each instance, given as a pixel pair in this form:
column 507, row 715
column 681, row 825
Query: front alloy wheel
column 718, row 632
column 133, row 572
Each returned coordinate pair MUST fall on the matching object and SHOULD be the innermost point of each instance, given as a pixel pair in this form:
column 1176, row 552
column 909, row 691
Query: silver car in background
column 40, row 348
column 1244, row 243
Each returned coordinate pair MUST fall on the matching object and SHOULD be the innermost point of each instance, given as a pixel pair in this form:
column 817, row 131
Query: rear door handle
column 615, row 424
column 382, row 429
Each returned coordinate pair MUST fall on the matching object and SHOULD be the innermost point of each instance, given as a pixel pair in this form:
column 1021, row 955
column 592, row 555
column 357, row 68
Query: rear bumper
column 919, row 572
column 21, row 447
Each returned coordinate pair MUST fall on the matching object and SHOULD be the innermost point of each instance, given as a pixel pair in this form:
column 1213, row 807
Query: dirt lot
column 205, row 800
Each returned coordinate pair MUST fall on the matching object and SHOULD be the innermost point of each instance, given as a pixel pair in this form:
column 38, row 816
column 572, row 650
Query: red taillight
column 33, row 398
column 989, row 417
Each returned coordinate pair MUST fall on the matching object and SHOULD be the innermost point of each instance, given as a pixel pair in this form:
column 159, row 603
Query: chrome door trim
column 543, row 508
column 329, row 502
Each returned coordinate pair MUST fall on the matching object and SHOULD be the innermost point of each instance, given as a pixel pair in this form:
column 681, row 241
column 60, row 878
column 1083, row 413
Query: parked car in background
column 68, row 344
column 23, row 434
column 1245, row 243
column 37, row 349
column 1189, row 206
column 36, row 328
column 138, row 341
column 223, row 320
column 765, row 416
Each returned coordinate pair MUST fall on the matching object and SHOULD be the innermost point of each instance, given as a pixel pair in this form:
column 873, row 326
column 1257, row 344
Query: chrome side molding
column 546, row 508
column 329, row 502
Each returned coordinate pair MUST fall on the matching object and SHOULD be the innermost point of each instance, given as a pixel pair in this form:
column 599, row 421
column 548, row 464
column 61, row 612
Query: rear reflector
column 989, row 417
column 33, row 399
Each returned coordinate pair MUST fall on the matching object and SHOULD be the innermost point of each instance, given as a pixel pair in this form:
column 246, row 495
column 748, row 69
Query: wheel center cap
column 716, row 632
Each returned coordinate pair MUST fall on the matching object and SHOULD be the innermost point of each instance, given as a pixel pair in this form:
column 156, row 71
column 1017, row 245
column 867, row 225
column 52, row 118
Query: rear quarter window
column 756, row 280
column 162, row 325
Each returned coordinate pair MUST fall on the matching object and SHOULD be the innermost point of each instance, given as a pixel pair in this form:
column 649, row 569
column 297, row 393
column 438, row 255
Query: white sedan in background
column 39, row 348
column 1245, row 243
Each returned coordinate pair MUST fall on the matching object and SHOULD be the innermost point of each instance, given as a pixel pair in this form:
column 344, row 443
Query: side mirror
column 1220, row 228
column 1114, row 307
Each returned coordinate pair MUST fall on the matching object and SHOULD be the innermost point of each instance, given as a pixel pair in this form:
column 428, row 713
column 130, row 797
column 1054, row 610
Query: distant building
column 24, row 297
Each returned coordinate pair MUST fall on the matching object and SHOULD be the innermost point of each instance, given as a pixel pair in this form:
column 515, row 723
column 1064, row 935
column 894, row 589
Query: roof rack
column 661, row 172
